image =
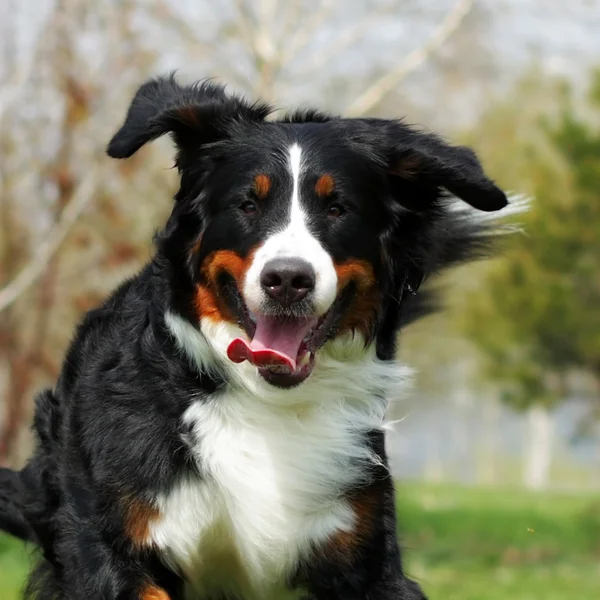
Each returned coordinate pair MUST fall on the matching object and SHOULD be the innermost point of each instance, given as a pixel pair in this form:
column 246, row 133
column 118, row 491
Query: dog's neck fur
column 276, row 464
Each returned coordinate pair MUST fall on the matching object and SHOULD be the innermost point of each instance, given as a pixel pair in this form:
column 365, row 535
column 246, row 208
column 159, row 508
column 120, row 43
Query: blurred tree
column 535, row 316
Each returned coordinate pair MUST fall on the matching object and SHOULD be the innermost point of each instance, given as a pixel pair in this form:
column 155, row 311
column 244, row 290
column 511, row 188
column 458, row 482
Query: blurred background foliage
column 507, row 376
column 540, row 302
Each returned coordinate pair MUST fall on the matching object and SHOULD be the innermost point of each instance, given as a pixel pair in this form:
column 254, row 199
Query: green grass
column 469, row 544
column 500, row 544
column 14, row 564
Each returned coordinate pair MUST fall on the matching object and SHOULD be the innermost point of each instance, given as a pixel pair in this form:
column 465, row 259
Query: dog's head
column 304, row 229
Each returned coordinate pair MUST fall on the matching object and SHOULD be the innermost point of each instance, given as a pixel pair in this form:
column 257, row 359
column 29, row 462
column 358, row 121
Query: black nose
column 287, row 280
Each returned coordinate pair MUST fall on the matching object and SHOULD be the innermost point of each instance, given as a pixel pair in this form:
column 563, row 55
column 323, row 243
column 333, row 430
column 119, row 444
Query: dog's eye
column 335, row 210
column 249, row 207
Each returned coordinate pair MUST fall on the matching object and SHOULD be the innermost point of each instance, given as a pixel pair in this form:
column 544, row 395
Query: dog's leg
column 89, row 563
column 95, row 573
column 364, row 563
column 109, row 581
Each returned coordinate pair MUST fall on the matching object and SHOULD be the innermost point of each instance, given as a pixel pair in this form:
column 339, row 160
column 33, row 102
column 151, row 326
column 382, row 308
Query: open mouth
column 283, row 348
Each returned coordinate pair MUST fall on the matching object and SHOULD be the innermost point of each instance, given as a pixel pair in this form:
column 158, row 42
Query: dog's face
column 300, row 230
column 291, row 245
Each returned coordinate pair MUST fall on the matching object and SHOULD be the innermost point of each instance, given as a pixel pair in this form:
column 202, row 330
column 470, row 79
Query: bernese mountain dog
column 217, row 430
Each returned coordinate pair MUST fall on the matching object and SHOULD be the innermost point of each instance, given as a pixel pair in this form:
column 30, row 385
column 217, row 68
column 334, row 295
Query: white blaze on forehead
column 297, row 219
column 294, row 240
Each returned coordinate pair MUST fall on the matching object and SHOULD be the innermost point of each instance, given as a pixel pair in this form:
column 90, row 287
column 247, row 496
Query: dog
column 217, row 429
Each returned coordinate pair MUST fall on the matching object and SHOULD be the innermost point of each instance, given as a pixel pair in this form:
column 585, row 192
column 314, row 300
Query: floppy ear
column 194, row 114
column 427, row 159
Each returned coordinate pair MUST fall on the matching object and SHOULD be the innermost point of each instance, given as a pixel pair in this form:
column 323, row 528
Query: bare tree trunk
column 538, row 457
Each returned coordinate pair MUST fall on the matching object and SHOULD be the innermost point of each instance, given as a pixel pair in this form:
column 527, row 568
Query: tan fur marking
column 208, row 307
column 151, row 592
column 325, row 185
column 367, row 300
column 365, row 506
column 262, row 185
column 228, row 261
column 138, row 517
column 207, row 302
column 358, row 271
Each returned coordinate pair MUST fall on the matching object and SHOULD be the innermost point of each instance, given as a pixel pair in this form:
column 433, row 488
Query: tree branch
column 386, row 83
column 68, row 217
column 165, row 14
column 21, row 77
column 305, row 33
column 346, row 39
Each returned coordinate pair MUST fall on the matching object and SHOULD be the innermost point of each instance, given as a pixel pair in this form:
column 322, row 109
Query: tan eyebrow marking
column 262, row 185
column 325, row 185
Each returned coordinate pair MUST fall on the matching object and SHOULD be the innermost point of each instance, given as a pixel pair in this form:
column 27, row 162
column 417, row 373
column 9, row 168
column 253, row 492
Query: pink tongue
column 276, row 342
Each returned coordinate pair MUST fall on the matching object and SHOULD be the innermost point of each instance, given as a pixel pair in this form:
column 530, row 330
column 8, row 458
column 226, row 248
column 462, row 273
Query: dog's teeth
column 304, row 360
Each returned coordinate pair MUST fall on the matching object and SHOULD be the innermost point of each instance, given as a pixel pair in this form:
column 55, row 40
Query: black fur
column 110, row 431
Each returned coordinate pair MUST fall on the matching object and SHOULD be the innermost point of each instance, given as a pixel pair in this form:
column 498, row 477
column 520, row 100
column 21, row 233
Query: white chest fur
column 271, row 488
column 274, row 465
